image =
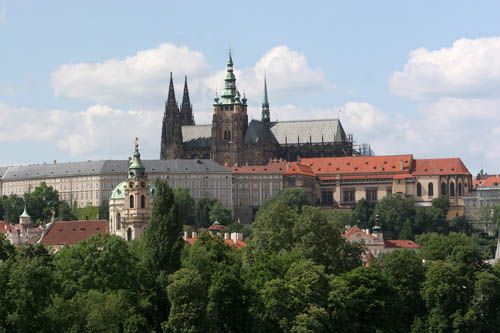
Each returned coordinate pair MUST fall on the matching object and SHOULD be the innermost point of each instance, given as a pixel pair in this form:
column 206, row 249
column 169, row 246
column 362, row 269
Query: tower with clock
column 130, row 204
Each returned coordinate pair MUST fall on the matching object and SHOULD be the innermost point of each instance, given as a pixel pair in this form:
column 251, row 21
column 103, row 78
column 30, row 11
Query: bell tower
column 171, row 133
column 230, row 121
column 136, row 209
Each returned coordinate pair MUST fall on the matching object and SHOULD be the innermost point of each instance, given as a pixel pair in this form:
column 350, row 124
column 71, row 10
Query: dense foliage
column 297, row 274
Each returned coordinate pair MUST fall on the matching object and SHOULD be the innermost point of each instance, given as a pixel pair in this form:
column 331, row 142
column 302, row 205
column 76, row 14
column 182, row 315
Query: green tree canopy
column 392, row 212
column 188, row 298
column 186, row 206
column 220, row 214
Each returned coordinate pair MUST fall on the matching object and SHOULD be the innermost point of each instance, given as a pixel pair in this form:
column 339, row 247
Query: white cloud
column 135, row 79
column 95, row 133
column 142, row 79
column 469, row 68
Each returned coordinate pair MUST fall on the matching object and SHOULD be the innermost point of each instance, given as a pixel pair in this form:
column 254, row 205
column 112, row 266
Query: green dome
column 119, row 191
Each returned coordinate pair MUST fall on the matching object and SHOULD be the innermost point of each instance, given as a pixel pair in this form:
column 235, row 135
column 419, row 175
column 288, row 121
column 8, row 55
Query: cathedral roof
column 317, row 131
column 197, row 135
column 257, row 132
column 2, row 171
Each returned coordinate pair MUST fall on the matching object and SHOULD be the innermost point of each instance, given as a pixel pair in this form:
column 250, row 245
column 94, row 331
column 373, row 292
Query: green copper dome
column 119, row 191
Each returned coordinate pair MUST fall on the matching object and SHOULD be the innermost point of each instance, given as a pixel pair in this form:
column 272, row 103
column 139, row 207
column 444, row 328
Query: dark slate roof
column 106, row 167
column 258, row 132
column 2, row 171
column 327, row 130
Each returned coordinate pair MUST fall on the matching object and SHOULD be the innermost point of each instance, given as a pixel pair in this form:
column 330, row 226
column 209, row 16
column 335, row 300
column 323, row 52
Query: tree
column 102, row 263
column 405, row 273
column 430, row 219
column 188, row 298
column 163, row 245
column 460, row 224
column 6, row 249
column 28, row 287
column 484, row 312
column 42, row 203
column 220, row 214
column 227, row 308
column 362, row 301
column 202, row 209
column 458, row 248
column 314, row 319
column 442, row 202
column 392, row 212
column 272, row 230
column 445, row 292
column 186, row 205
column 12, row 206
column 65, row 213
column 321, row 241
column 362, row 213
column 295, row 198
column 163, row 236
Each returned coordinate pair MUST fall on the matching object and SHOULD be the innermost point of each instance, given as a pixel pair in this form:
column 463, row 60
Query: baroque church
column 232, row 140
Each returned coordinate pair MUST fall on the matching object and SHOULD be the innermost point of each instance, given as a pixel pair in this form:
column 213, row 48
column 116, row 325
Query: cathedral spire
column 171, row 93
column 186, row 107
column 230, row 95
column 266, row 117
column 186, row 103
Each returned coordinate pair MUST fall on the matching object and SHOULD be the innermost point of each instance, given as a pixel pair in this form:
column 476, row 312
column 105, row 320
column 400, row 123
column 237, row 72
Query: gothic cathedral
column 232, row 140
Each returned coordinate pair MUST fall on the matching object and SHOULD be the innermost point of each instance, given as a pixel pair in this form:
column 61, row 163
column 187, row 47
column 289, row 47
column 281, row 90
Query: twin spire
column 171, row 93
column 186, row 109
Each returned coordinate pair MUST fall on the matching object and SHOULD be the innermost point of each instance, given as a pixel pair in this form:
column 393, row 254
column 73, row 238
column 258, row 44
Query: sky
column 79, row 80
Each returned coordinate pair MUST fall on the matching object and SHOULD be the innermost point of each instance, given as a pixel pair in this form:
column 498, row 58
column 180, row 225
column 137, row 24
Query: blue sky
column 80, row 80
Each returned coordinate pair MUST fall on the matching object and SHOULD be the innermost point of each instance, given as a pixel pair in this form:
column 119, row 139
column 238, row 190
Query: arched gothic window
column 143, row 201
column 131, row 201
column 129, row 234
column 227, row 135
column 460, row 189
column 430, row 189
column 443, row 189
column 419, row 190
column 452, row 189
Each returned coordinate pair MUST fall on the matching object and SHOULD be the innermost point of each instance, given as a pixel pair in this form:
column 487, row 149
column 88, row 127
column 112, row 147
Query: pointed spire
column 186, row 103
column 171, row 93
column 230, row 94
column 266, row 116
column 136, row 168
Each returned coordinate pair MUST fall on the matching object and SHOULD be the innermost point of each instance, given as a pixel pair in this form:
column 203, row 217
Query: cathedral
column 232, row 140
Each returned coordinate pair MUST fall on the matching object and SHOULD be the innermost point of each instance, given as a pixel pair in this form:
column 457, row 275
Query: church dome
column 119, row 191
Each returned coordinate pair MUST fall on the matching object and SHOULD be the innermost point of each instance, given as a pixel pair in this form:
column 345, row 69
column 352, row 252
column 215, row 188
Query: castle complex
column 232, row 140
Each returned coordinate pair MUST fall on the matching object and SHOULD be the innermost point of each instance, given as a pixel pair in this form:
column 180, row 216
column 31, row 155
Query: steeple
column 136, row 168
column 171, row 93
column 230, row 95
column 185, row 96
column 266, row 117
column 186, row 107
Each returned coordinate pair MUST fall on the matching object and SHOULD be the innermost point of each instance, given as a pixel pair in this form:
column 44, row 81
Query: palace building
column 232, row 140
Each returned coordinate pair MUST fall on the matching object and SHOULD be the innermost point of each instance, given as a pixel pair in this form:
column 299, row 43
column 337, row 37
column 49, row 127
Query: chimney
column 226, row 236
column 401, row 165
column 194, row 234
column 185, row 235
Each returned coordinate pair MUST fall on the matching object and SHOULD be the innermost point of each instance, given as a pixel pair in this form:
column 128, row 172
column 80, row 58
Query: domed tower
column 230, row 121
column 130, row 203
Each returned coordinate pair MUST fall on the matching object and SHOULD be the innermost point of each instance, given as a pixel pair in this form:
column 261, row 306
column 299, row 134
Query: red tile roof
column 295, row 168
column 440, row 166
column 351, row 231
column 401, row 244
column 362, row 167
column 6, row 227
column 272, row 167
column 72, row 232
column 360, row 164
column 487, row 181
column 216, row 227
